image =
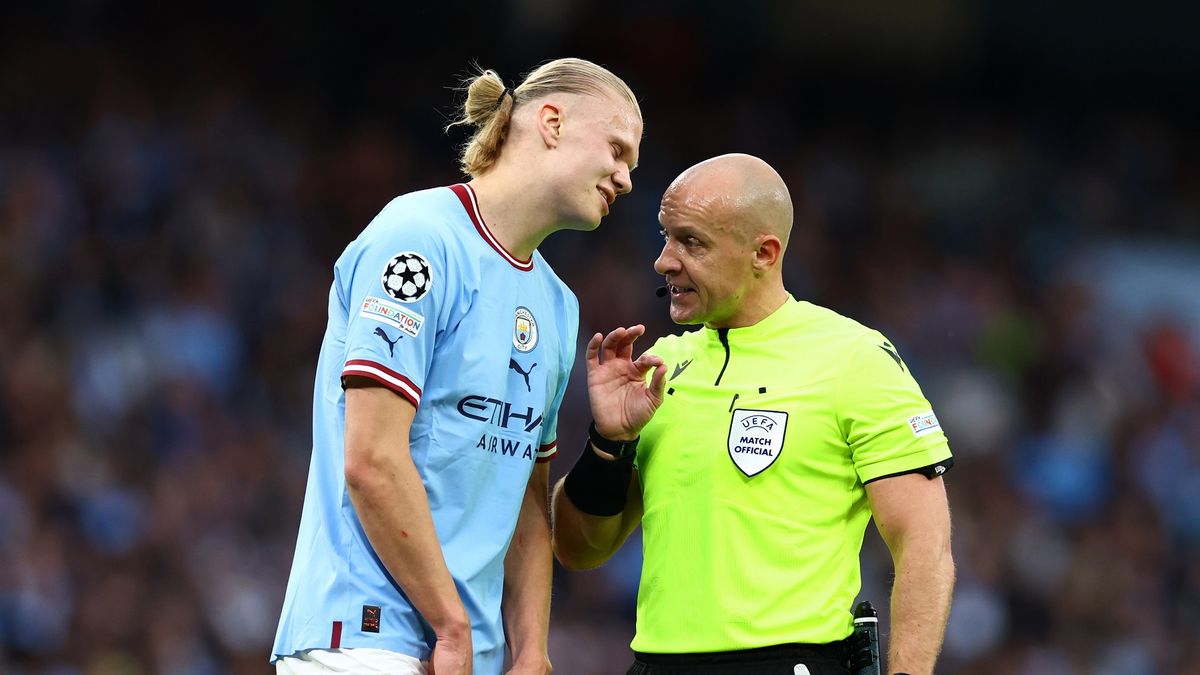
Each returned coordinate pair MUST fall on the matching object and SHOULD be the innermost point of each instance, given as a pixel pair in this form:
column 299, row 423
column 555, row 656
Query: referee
column 753, row 451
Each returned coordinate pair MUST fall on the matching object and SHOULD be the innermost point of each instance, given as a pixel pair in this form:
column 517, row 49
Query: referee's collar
column 763, row 329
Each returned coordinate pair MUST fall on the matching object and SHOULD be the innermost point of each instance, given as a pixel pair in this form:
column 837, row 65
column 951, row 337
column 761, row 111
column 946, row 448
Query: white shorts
column 356, row 660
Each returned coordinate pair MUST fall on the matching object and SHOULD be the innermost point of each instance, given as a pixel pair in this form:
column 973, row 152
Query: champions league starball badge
column 407, row 277
column 525, row 331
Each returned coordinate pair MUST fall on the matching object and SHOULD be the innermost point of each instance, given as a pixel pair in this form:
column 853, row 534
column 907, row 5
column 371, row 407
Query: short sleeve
column 397, row 284
column 548, row 441
column 887, row 422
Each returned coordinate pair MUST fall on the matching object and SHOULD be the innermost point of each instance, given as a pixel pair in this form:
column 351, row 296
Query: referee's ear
column 767, row 254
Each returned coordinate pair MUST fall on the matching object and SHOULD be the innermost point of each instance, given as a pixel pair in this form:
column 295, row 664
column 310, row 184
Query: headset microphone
column 661, row 291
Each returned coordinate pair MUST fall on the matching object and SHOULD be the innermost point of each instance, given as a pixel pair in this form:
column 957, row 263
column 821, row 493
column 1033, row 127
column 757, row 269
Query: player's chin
column 584, row 223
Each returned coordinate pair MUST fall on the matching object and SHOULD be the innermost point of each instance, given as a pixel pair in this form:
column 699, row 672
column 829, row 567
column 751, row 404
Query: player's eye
column 616, row 150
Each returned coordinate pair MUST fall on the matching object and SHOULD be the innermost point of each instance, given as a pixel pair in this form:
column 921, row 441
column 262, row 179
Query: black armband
column 932, row 471
column 598, row 486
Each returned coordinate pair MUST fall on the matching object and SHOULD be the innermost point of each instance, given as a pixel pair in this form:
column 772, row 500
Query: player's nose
column 623, row 181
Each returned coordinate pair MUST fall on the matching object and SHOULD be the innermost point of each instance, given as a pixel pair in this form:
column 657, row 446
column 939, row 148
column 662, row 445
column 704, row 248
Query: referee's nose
column 666, row 264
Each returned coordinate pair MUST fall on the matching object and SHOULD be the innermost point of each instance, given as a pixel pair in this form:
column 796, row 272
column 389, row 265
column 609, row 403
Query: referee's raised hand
column 622, row 403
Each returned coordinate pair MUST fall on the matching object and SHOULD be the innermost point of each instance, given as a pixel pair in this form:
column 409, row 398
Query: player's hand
column 452, row 655
column 540, row 666
column 621, row 401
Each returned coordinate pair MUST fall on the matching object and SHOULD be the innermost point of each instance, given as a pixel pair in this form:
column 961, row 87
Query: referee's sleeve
column 887, row 422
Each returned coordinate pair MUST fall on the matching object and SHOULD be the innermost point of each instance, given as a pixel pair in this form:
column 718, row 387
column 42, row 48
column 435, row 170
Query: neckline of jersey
column 762, row 329
column 466, row 195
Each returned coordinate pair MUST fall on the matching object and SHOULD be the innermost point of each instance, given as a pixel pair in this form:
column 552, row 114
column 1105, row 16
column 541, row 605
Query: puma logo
column 512, row 363
column 391, row 343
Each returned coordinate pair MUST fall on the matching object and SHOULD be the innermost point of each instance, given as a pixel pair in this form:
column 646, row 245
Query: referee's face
column 706, row 258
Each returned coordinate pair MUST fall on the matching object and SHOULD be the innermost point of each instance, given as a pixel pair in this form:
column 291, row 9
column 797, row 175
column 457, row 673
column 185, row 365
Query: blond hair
column 489, row 104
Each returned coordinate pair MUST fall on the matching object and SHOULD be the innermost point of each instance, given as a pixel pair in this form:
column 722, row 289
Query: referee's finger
column 631, row 335
column 610, row 347
column 659, row 381
column 592, row 355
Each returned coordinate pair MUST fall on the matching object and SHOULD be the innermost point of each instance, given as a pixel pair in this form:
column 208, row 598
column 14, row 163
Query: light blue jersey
column 427, row 303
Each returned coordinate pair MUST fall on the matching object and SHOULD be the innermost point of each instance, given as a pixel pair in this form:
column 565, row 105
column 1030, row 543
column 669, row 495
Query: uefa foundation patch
column 378, row 309
column 925, row 423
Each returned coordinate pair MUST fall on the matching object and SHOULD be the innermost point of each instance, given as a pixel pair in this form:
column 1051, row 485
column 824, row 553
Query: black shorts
column 830, row 659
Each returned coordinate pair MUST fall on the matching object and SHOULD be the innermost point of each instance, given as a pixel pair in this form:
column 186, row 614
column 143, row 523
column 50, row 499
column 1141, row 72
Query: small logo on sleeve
column 370, row 619
column 891, row 351
column 407, row 277
column 925, row 423
column 390, row 342
column 378, row 309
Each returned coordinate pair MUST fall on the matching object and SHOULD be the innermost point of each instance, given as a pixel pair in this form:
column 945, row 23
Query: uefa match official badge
column 756, row 439
column 525, row 331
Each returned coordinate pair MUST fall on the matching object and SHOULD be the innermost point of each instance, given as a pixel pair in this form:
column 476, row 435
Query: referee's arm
column 913, row 517
column 599, row 503
column 583, row 541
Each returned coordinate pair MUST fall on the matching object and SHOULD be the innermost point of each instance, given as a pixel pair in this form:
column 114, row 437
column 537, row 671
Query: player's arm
column 913, row 517
column 393, row 507
column 600, row 501
column 527, row 575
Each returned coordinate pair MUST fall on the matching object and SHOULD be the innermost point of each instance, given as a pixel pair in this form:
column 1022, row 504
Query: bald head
column 725, row 225
column 742, row 191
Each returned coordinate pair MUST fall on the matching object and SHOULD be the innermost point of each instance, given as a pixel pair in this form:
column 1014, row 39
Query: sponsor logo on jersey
column 513, row 421
column 680, row 367
column 390, row 342
column 513, row 365
column 506, row 447
column 378, row 309
column 525, row 331
column 925, row 423
column 891, row 351
column 499, row 413
column 756, row 439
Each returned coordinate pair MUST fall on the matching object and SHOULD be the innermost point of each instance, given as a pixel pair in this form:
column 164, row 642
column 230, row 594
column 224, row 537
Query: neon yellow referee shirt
column 752, row 476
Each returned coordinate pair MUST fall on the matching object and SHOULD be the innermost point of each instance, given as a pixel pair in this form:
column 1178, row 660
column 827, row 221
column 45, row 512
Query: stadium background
column 1008, row 189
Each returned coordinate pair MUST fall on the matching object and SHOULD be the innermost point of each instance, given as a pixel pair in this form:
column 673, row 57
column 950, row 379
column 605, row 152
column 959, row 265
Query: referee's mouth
column 677, row 291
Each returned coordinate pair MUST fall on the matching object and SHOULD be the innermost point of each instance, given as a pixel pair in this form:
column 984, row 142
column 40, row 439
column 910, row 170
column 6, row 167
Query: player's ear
column 550, row 123
column 767, row 253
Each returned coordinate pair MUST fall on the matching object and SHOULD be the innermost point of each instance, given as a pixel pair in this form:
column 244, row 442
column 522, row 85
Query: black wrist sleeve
column 598, row 486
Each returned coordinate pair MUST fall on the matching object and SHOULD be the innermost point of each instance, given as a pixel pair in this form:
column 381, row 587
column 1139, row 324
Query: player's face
column 706, row 260
column 597, row 152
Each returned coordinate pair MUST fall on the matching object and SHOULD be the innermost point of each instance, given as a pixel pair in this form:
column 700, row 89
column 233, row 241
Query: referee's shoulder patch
column 923, row 424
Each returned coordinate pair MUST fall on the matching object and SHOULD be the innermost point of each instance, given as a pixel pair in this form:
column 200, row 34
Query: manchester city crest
column 525, row 331
column 756, row 439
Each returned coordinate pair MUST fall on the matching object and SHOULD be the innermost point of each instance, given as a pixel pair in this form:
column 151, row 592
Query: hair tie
column 504, row 93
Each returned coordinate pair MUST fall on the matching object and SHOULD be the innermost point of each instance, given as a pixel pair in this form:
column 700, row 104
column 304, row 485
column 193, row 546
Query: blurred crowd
column 164, row 264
